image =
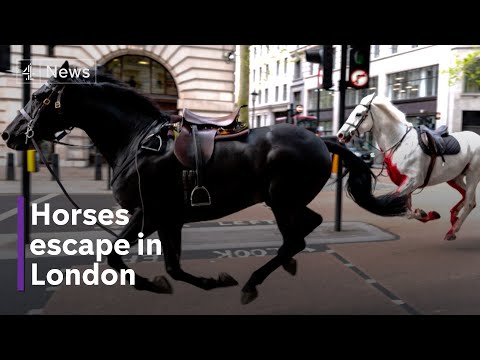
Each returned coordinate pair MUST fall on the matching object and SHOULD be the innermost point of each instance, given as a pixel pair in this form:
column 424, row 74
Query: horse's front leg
column 407, row 188
column 159, row 284
column 171, row 237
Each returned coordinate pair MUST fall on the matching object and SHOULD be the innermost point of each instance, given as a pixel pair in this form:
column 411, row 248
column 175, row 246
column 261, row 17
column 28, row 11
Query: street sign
column 359, row 78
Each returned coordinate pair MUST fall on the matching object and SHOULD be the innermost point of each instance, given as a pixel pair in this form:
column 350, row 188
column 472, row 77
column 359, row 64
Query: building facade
column 198, row 77
column 414, row 77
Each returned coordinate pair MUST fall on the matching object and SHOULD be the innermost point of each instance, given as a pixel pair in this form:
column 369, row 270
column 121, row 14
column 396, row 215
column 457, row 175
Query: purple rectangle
column 20, row 244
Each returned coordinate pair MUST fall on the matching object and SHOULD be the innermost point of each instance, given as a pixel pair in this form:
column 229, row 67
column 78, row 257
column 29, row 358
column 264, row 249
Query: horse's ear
column 65, row 65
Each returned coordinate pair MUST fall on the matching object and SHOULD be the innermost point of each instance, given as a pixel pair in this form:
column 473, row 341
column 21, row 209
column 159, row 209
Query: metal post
column 109, row 177
column 25, row 174
column 10, row 167
column 253, row 111
column 98, row 166
column 318, row 105
column 341, row 118
column 55, row 166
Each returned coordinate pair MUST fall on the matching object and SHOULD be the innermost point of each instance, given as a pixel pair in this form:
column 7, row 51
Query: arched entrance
column 148, row 77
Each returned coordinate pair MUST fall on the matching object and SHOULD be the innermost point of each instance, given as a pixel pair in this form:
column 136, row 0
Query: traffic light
column 323, row 55
column 4, row 58
column 359, row 66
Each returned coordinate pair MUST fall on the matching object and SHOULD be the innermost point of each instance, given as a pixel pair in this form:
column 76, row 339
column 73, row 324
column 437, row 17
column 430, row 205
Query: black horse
column 282, row 165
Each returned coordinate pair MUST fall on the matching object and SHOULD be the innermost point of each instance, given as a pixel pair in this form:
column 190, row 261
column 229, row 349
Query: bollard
column 98, row 166
column 109, row 177
column 55, row 166
column 10, row 166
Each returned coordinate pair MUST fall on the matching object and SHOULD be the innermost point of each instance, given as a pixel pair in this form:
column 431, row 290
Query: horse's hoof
column 450, row 236
column 161, row 285
column 291, row 267
column 248, row 296
column 225, row 280
column 420, row 213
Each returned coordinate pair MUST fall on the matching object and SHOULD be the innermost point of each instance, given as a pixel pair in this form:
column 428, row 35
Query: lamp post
column 254, row 96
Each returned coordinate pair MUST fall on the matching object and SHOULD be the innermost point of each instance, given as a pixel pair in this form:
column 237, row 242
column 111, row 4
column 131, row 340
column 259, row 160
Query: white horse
column 408, row 166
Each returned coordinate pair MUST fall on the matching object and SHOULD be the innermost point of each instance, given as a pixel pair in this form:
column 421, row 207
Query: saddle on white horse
column 436, row 143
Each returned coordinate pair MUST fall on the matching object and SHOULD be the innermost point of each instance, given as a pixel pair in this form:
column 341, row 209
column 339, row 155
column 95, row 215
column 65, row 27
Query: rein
column 42, row 157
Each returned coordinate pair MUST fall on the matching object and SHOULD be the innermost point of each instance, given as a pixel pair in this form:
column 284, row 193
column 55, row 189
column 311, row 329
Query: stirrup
column 200, row 196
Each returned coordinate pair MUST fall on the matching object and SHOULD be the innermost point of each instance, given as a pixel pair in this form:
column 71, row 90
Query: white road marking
column 12, row 212
column 35, row 312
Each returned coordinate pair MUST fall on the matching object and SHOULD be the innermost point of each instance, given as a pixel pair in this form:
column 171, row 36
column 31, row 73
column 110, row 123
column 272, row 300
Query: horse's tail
column 359, row 185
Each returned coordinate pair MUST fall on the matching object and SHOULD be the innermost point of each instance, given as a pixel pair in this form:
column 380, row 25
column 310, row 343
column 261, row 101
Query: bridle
column 359, row 123
column 29, row 136
column 29, row 133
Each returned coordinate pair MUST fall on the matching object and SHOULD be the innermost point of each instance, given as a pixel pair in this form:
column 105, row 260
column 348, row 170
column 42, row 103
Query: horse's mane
column 385, row 104
column 107, row 82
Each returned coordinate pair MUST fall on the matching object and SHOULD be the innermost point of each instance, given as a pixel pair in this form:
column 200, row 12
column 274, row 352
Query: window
column 411, row 84
column 376, row 51
column 268, row 48
column 253, row 78
column 260, row 74
column 326, row 103
column 261, row 49
column 259, row 120
column 470, row 85
column 266, row 96
column 311, row 68
column 285, row 63
column 297, row 98
column 394, row 49
column 354, row 96
column 276, row 93
column 278, row 67
column 326, row 99
column 266, row 72
column 297, row 70
column 144, row 74
column 254, row 52
column 259, row 97
column 285, row 92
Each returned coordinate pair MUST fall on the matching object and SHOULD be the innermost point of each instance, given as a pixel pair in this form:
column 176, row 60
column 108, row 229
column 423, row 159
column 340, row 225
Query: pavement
column 75, row 180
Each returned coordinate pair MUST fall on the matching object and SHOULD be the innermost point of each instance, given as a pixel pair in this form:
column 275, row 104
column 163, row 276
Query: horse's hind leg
column 171, row 237
column 472, row 179
column 294, row 226
column 159, row 284
column 459, row 185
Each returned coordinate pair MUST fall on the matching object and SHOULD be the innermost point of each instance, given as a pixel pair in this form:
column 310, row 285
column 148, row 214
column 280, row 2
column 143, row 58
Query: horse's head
column 41, row 118
column 359, row 121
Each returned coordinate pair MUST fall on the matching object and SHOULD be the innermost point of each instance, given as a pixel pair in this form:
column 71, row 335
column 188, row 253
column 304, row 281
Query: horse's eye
column 359, row 114
column 34, row 97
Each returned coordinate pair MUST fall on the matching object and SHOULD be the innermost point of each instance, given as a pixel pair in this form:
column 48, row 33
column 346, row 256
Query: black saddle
column 437, row 142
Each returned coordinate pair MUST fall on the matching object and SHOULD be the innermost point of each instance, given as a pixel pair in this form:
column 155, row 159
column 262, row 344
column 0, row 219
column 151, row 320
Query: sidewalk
column 78, row 180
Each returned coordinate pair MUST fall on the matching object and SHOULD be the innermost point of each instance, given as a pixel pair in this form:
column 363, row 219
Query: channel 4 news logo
column 41, row 70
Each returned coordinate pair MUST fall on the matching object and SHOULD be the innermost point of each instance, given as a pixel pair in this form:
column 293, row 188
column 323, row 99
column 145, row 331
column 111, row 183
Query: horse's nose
column 5, row 136
column 340, row 135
